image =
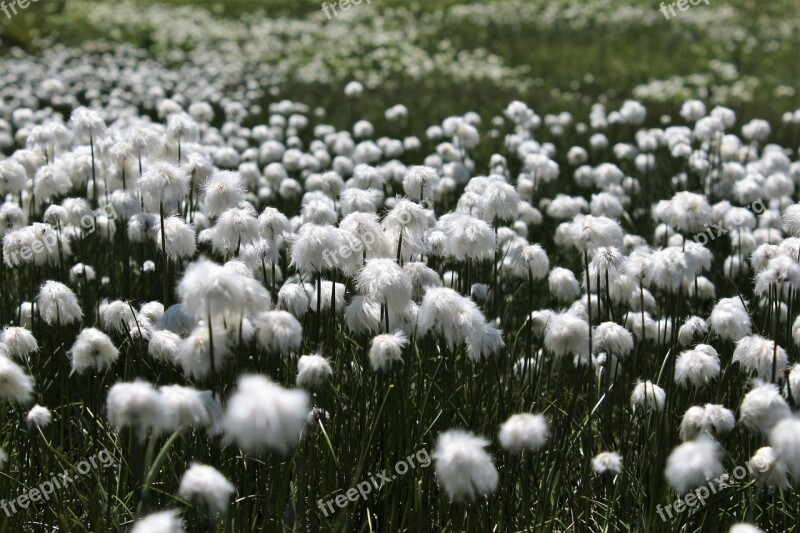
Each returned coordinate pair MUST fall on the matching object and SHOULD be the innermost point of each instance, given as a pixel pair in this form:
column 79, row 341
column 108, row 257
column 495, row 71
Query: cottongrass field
column 227, row 306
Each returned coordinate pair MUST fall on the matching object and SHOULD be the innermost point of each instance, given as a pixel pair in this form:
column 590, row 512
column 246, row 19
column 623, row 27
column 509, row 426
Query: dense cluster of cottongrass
column 580, row 318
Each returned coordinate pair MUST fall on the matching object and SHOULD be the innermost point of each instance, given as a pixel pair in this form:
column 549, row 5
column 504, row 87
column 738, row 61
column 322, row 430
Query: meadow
column 501, row 265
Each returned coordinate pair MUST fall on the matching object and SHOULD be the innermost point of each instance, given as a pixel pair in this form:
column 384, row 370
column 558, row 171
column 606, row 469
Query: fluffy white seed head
column 785, row 440
column 57, row 304
column 18, row 341
column 763, row 407
column 463, row 466
column 161, row 522
column 386, row 349
column 647, row 396
column 92, row 349
column 524, row 432
column 262, row 414
column 38, row 417
column 279, row 332
column 607, row 463
column 139, row 406
column 692, row 463
column 205, row 485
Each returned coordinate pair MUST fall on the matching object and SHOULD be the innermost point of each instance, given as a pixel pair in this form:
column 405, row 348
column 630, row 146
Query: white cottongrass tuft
column 767, row 469
column 18, row 341
column 785, row 440
column 313, row 371
column 744, row 528
column 567, row 334
column 692, row 327
column 757, row 353
column 161, row 522
column 164, row 346
column 139, row 406
column 647, row 396
column 278, row 332
column 763, row 407
column 463, row 466
column 195, row 353
column 690, row 464
column 712, row 420
column 613, row 338
column 563, row 285
column 208, row 290
column 386, row 349
column 262, row 414
column 57, row 304
column 384, row 281
column 205, row 485
column 445, row 312
column 191, row 407
column 38, row 417
column 524, row 432
column 729, row 319
column 92, row 349
column 697, row 367
column 15, row 384
column 607, row 463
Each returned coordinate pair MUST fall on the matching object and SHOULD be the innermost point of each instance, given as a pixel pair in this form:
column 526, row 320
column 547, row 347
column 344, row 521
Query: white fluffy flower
column 445, row 312
column 698, row 367
column 161, row 522
column 386, row 349
column 383, row 280
column 38, row 417
column 613, row 338
column 760, row 354
column 463, row 466
column 692, row 463
column 195, row 354
column 647, row 396
column 139, row 406
column 15, row 384
column 712, row 420
column 191, row 407
column 567, row 334
column 279, row 332
column 785, row 440
column 313, row 371
column 18, row 341
column 164, row 345
column 607, row 463
column 563, row 285
column 92, row 349
column 57, row 304
column 205, row 485
column 767, row 469
column 208, row 289
column 263, row 414
column 693, row 327
column 763, row 407
column 524, row 432
column 729, row 319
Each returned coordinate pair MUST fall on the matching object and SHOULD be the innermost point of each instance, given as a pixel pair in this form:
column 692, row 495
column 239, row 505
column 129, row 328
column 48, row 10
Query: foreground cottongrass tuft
column 463, row 466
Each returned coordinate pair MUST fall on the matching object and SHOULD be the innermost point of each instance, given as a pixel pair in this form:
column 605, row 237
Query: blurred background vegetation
column 566, row 67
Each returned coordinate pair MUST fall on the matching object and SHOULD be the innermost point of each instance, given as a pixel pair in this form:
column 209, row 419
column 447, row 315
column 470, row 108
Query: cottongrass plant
column 258, row 311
